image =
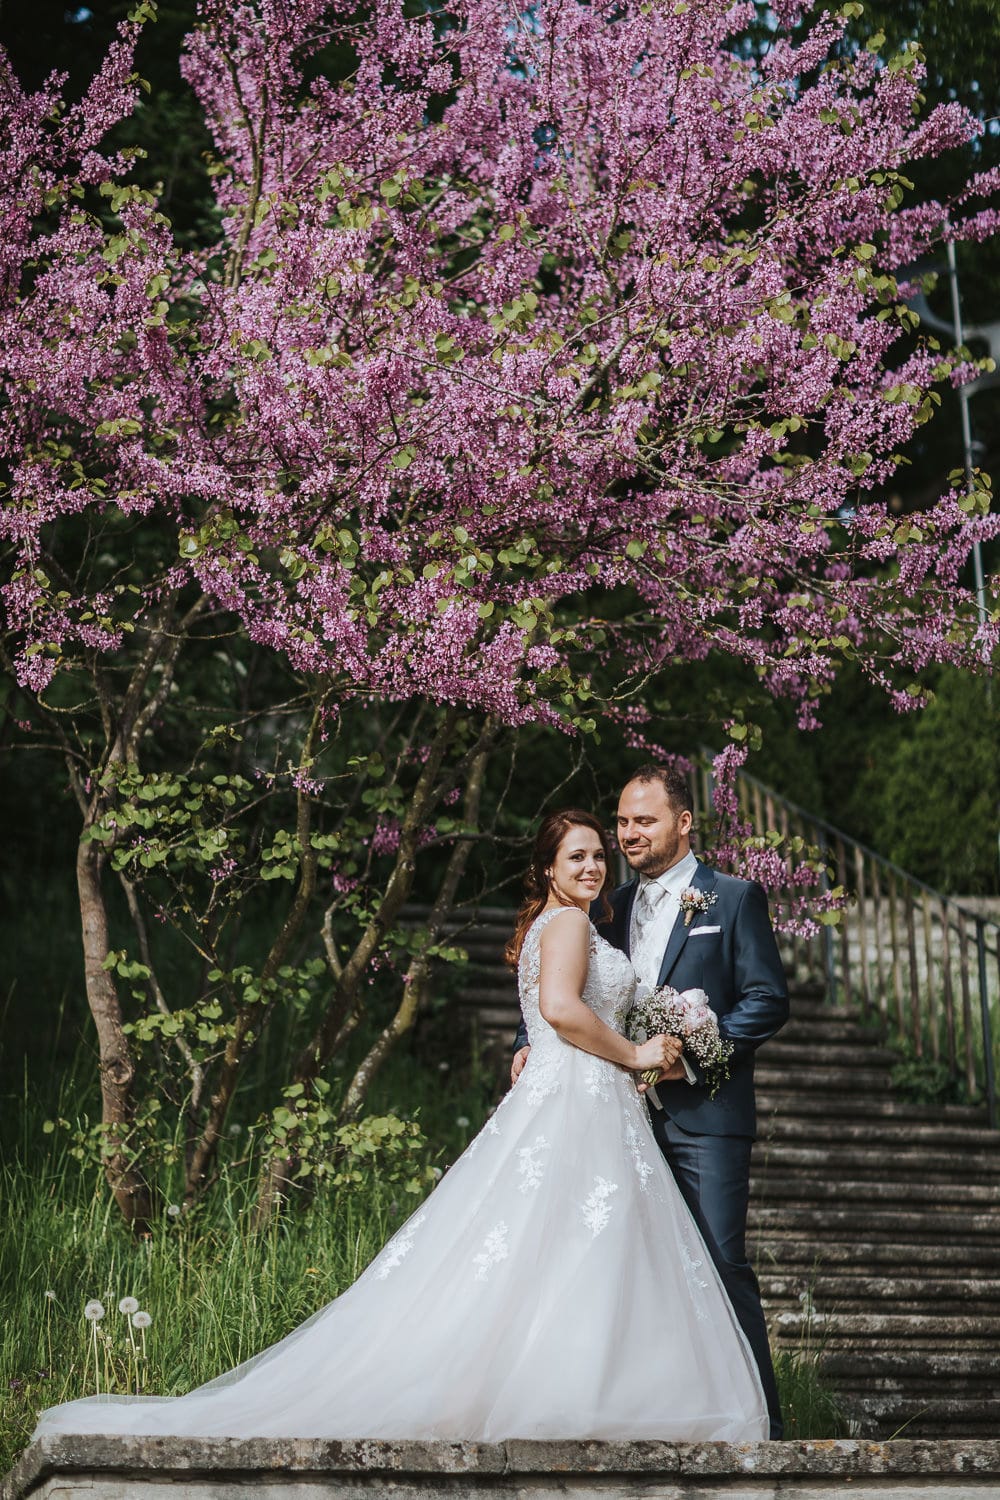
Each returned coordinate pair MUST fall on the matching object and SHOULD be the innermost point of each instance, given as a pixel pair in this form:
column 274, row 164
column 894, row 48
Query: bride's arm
column 564, row 961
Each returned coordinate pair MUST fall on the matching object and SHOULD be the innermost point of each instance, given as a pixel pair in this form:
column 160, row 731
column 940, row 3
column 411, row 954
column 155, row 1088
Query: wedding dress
column 553, row 1285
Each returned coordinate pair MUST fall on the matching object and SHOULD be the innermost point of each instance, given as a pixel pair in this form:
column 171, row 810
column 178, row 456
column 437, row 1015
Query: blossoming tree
column 544, row 350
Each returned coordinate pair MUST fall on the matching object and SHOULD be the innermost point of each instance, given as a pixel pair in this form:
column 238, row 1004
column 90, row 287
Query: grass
column 809, row 1407
column 216, row 1291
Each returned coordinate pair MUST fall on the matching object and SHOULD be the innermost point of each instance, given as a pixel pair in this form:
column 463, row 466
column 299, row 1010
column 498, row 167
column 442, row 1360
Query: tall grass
column 217, row 1291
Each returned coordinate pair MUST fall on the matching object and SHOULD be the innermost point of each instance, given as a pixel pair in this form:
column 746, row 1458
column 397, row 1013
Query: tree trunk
column 117, row 1068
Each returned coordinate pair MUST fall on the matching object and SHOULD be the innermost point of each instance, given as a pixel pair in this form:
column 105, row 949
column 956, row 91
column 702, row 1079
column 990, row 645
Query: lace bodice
column 609, row 990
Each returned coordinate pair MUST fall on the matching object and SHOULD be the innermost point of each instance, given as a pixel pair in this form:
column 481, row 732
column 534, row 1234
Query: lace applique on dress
column 641, row 1162
column 491, row 1126
column 399, row 1248
column 546, row 1061
column 529, row 1168
column 596, row 1210
column 494, row 1250
column 600, row 1076
column 697, row 1283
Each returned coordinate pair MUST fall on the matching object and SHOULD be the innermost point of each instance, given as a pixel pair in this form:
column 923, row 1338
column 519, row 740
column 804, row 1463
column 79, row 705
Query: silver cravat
column 651, row 931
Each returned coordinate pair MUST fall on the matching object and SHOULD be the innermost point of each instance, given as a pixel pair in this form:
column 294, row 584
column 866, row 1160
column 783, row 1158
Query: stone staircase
column 875, row 1226
column 874, row 1222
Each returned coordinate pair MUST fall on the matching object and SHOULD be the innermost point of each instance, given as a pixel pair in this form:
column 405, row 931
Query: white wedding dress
column 553, row 1285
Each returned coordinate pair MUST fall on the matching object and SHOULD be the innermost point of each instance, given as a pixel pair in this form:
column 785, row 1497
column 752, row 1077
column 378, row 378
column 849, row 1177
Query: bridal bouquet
column 688, row 1015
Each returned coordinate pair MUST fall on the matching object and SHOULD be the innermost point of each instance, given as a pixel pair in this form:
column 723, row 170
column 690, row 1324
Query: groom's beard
column 650, row 860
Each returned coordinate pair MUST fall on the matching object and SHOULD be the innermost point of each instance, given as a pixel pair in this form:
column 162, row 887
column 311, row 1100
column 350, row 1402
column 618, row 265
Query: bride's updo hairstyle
column 554, row 828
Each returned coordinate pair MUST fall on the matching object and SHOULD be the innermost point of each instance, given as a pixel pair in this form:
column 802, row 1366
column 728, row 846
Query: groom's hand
column 519, row 1060
column 676, row 1070
column 668, row 1075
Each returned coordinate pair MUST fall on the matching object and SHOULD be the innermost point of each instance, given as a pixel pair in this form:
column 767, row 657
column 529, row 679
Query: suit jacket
column 736, row 963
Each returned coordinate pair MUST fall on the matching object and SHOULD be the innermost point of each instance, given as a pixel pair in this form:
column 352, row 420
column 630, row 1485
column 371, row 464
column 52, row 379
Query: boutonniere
column 694, row 902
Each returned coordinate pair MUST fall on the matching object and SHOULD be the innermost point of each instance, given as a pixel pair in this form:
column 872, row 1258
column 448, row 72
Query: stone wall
column 68, row 1468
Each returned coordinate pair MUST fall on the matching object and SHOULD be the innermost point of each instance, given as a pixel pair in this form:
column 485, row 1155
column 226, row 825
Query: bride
column 554, row 1285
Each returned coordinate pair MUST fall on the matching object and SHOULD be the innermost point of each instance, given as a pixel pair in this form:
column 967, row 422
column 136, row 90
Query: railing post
column 911, row 954
column 984, row 1009
column 950, row 1033
column 829, row 953
column 845, row 932
column 971, row 1080
column 933, row 1006
column 863, row 917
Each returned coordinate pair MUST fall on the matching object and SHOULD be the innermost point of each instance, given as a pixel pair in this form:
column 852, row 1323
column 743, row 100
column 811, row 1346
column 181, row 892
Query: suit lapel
column 703, row 880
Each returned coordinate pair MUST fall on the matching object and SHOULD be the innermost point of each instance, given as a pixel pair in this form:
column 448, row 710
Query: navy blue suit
column 707, row 1141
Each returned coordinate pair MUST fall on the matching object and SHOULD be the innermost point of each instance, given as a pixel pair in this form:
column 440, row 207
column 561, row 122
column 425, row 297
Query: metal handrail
column 902, row 951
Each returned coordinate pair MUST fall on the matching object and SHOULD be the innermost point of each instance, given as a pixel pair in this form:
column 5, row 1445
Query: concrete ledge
column 136, row 1468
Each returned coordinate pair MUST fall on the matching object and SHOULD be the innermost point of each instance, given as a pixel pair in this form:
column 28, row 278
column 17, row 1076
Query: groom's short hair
column 673, row 782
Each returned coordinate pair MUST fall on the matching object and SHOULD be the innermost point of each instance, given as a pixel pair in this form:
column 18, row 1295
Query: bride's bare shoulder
column 565, row 926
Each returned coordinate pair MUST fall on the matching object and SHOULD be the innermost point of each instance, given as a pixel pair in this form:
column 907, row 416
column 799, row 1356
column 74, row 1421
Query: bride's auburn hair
column 537, row 886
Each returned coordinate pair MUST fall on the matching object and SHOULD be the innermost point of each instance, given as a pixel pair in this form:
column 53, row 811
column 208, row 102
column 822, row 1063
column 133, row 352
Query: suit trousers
column 713, row 1174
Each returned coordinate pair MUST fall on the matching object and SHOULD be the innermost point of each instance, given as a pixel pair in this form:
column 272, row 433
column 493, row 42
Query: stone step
column 890, row 1133
column 846, row 1033
column 783, row 1247
column 777, row 1096
column 833, row 1293
column 136, row 1468
column 920, row 1163
column 906, row 1331
column 910, row 1418
column 851, row 1086
column 809, row 1000
column 500, row 1021
column 928, row 1374
column 495, row 993
column 888, row 1224
column 847, row 1059
column 936, row 1197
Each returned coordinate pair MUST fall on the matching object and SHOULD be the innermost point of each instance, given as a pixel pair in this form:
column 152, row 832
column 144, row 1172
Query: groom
column 719, row 941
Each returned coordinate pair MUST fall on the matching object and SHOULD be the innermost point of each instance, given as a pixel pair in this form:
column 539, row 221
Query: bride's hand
column 660, row 1052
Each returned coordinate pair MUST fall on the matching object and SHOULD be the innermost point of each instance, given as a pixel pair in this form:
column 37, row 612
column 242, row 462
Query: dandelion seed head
column 94, row 1311
column 129, row 1305
column 173, row 1210
column 50, row 1295
column 443, row 1066
column 462, row 1121
column 141, row 1320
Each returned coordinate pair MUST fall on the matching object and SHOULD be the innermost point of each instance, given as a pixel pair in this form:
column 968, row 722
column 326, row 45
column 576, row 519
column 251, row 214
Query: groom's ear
column 684, row 822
